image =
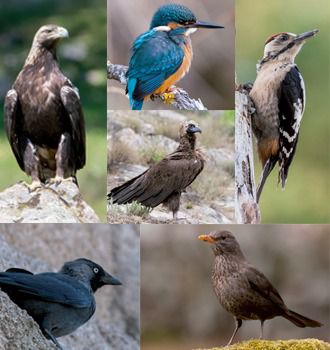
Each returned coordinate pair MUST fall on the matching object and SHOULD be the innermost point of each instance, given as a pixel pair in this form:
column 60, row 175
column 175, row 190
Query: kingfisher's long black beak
column 306, row 35
column 202, row 24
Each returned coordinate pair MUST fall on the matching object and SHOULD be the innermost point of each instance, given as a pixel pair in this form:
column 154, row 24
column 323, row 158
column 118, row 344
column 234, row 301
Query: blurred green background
column 307, row 193
column 82, row 58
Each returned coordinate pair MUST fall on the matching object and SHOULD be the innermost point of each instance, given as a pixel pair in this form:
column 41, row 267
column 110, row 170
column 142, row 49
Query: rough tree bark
column 181, row 97
column 246, row 207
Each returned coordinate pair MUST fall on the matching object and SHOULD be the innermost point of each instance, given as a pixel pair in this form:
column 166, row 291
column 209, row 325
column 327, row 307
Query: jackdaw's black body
column 59, row 302
column 244, row 291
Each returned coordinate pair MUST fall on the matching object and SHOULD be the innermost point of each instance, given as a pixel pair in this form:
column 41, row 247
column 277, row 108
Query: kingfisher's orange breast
column 180, row 73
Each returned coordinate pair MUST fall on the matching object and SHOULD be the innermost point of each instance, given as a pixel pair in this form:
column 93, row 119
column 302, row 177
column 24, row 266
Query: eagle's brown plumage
column 43, row 116
column 164, row 181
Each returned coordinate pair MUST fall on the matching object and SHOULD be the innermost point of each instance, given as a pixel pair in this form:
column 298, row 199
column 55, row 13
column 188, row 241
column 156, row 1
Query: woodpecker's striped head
column 286, row 45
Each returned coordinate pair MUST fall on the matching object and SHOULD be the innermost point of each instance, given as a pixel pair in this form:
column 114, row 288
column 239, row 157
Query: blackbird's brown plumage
column 164, row 181
column 43, row 117
column 244, row 291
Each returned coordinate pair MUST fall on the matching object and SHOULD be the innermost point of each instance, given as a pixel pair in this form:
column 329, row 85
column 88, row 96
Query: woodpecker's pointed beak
column 306, row 35
column 202, row 24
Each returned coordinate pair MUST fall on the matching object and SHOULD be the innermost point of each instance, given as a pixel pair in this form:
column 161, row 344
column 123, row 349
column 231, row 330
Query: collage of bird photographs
column 164, row 175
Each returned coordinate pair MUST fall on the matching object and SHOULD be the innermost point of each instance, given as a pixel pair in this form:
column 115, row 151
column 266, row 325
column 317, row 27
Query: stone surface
column 192, row 209
column 130, row 138
column 49, row 204
column 45, row 247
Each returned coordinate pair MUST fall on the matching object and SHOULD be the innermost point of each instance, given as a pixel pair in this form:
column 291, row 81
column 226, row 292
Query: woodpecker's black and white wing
column 291, row 109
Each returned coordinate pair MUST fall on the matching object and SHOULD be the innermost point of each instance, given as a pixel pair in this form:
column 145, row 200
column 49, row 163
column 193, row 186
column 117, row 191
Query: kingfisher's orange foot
column 168, row 97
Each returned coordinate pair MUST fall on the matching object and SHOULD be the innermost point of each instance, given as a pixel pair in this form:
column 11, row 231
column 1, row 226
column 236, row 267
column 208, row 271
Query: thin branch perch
column 181, row 97
column 246, row 207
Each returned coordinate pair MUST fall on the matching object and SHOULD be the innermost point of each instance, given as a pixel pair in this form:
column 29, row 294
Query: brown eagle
column 164, row 181
column 43, row 117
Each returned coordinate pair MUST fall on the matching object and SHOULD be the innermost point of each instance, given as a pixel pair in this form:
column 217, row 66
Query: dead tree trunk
column 246, row 207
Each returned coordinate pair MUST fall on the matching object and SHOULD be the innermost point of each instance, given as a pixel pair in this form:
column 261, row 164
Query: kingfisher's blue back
column 156, row 55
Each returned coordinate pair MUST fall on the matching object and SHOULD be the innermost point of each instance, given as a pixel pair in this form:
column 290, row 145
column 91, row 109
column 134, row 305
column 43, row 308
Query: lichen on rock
column 292, row 344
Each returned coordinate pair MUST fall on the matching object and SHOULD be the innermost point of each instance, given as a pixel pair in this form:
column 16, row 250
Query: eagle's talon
column 35, row 185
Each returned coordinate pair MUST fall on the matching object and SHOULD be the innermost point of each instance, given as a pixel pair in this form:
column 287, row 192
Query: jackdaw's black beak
column 110, row 280
column 306, row 35
column 203, row 24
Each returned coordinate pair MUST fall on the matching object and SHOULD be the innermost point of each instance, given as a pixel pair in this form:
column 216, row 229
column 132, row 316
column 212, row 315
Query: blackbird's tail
column 300, row 320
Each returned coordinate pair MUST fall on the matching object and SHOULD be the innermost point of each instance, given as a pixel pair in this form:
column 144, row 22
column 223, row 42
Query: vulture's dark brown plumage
column 164, row 181
column 43, row 116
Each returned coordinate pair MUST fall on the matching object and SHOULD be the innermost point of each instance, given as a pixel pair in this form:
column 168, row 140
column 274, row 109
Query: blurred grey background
column 211, row 76
column 178, row 307
column 45, row 247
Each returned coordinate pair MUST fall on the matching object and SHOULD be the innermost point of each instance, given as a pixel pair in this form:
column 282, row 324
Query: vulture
column 164, row 181
column 43, row 117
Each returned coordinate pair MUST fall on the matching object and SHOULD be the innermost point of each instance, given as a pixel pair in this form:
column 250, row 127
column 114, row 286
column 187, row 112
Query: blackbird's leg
column 52, row 338
column 238, row 325
column 261, row 329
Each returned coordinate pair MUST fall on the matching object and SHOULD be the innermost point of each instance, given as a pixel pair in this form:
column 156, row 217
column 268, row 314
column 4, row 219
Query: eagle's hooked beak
column 62, row 33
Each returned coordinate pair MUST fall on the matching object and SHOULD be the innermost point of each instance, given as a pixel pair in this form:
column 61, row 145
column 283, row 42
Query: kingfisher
column 161, row 56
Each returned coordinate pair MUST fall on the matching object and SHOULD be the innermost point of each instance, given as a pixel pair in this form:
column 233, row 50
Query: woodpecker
column 278, row 94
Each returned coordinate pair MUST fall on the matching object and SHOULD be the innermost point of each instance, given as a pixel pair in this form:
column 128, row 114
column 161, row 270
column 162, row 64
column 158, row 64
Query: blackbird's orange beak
column 206, row 238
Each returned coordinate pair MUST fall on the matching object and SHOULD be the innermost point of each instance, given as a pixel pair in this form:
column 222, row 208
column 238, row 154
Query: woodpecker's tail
column 300, row 320
column 268, row 167
column 285, row 160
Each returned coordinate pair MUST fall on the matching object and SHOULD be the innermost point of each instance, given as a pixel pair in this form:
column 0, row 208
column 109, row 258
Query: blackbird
column 59, row 302
column 244, row 291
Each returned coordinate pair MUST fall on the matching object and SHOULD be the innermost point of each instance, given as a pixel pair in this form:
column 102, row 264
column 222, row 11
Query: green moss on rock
column 294, row 344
